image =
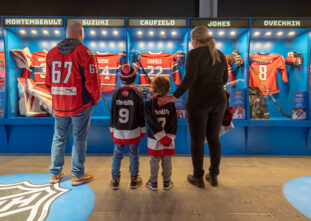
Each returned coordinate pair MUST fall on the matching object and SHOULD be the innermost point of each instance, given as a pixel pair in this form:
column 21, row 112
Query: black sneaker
column 199, row 182
column 152, row 186
column 212, row 179
column 115, row 183
column 167, row 185
column 135, row 182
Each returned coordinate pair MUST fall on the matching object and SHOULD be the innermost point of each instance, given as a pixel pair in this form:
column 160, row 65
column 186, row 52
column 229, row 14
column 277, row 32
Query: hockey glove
column 166, row 141
column 135, row 56
column 294, row 58
column 236, row 58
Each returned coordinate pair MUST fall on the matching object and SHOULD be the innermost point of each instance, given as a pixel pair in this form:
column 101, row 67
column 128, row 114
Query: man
column 73, row 79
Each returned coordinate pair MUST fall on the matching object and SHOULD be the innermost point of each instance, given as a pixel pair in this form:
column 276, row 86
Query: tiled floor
column 250, row 189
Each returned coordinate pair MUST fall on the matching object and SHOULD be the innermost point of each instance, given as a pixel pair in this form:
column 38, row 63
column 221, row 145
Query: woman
column 206, row 74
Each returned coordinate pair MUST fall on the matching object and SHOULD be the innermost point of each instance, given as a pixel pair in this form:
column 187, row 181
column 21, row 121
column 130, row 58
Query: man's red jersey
column 72, row 79
column 267, row 65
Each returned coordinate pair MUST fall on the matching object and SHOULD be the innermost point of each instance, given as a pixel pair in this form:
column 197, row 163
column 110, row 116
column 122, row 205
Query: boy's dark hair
column 161, row 85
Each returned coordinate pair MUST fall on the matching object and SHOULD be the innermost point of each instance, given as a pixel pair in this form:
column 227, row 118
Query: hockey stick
column 106, row 102
column 142, row 67
column 278, row 106
column 236, row 81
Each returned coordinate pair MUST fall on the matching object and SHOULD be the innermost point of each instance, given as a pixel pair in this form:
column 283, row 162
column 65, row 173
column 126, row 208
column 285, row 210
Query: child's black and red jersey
column 127, row 120
column 162, row 126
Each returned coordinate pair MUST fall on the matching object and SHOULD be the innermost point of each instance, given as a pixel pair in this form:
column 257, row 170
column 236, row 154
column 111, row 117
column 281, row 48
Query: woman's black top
column 204, row 80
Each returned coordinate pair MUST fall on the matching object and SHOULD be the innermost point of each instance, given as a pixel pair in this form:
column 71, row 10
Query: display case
column 2, row 72
column 38, row 34
column 231, row 36
column 159, row 43
column 107, row 38
column 2, row 91
column 273, row 41
column 159, row 46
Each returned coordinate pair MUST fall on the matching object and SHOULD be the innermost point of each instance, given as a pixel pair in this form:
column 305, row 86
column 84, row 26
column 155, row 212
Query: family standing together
column 73, row 79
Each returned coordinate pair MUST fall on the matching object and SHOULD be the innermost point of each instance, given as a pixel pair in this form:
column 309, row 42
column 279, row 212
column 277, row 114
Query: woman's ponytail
column 201, row 34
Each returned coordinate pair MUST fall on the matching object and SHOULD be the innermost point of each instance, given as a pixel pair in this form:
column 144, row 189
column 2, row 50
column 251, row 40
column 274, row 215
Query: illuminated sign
column 220, row 23
column 157, row 23
column 46, row 22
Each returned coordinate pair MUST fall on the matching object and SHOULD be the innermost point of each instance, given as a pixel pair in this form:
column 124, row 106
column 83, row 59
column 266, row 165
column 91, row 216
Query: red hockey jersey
column 38, row 63
column 73, row 80
column 158, row 64
column 2, row 68
column 108, row 64
column 266, row 65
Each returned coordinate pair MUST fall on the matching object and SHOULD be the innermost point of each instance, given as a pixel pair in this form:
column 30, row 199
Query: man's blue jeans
column 80, row 126
column 133, row 150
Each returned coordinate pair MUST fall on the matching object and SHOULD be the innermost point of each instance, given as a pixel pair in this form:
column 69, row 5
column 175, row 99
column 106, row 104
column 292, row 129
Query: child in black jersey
column 162, row 126
column 127, row 126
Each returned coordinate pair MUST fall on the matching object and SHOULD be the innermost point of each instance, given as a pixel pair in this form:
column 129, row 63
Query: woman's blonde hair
column 201, row 34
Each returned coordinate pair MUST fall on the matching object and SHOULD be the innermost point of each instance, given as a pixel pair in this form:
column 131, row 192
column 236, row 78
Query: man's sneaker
column 56, row 179
column 152, row 186
column 82, row 179
column 135, row 182
column 212, row 179
column 197, row 181
column 167, row 185
column 115, row 183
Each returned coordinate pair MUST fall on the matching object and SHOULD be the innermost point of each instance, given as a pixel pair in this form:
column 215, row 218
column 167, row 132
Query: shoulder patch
column 90, row 52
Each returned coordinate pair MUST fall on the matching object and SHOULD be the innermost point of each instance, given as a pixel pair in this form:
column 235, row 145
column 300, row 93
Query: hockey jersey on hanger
column 108, row 67
column 127, row 120
column 2, row 68
column 155, row 64
column 38, row 68
column 266, row 66
column 162, row 122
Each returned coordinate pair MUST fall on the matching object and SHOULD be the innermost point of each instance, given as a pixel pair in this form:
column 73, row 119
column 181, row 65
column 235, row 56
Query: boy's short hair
column 161, row 85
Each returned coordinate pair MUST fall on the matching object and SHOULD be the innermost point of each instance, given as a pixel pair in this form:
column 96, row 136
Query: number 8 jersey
column 127, row 120
column 266, row 66
column 72, row 77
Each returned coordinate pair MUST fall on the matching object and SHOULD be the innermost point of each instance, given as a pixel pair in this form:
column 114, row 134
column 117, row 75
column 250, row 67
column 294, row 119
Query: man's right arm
column 48, row 74
column 92, row 82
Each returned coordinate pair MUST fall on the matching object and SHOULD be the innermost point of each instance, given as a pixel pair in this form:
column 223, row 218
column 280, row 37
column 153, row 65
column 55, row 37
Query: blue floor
column 298, row 193
column 76, row 203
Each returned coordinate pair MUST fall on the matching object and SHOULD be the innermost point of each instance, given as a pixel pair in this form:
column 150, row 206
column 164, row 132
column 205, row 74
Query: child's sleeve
column 172, row 121
column 112, row 115
column 141, row 116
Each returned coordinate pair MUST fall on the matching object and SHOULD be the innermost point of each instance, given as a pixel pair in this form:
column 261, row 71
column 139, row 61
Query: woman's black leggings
column 205, row 123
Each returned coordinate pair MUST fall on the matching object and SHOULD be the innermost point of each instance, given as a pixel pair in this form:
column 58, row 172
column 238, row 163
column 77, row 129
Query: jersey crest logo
column 27, row 201
column 90, row 52
column 125, row 93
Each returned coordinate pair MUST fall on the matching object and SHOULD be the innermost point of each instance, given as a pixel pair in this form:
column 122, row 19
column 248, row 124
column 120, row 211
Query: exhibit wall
column 270, row 54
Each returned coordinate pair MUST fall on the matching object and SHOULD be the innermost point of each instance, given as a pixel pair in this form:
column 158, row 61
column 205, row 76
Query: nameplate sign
column 281, row 23
column 145, row 22
column 99, row 22
column 220, row 23
column 34, row 22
